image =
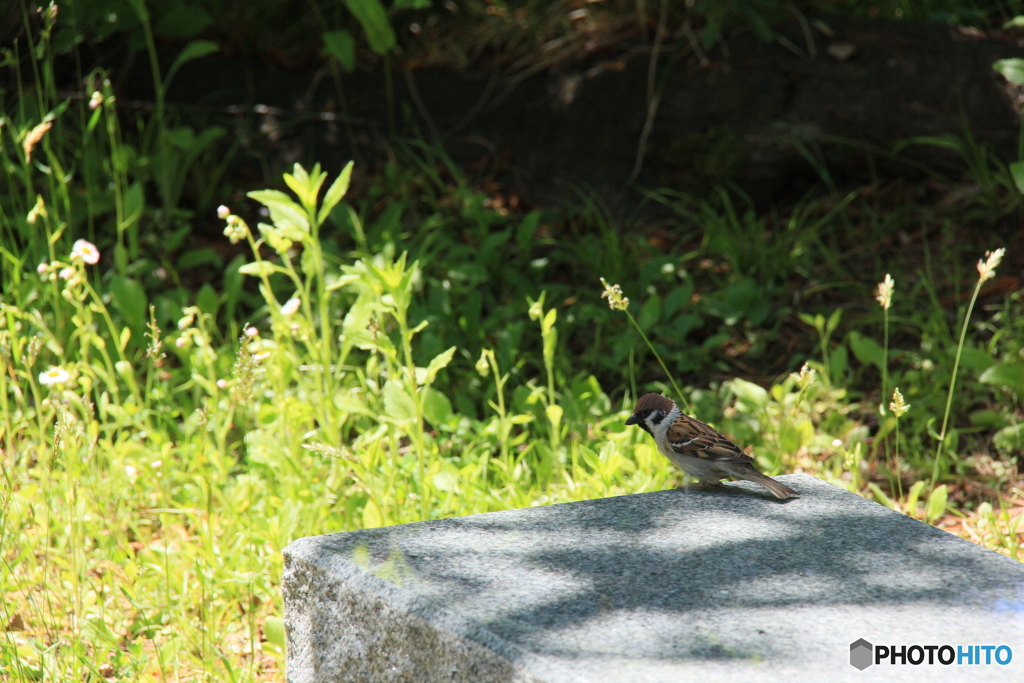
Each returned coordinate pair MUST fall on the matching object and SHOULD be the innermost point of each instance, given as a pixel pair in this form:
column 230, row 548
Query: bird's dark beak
column 633, row 420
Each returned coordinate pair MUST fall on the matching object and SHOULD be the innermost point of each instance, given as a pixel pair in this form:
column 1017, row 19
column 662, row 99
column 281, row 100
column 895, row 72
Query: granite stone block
column 717, row 584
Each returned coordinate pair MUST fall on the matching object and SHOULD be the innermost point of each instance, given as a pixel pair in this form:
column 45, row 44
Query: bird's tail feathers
column 778, row 489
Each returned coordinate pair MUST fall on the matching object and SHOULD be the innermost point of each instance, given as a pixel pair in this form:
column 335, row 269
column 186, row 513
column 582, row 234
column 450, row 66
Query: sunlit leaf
column 336, row 192
column 374, row 20
column 342, row 46
column 936, row 504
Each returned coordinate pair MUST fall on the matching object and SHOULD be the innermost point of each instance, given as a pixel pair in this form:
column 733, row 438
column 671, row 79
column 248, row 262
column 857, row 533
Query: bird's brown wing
column 694, row 438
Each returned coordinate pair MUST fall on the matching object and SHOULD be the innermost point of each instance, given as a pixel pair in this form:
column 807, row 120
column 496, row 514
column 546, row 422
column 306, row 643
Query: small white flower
column 156, row 464
column 42, row 268
column 188, row 317
column 66, row 273
column 251, row 331
column 987, row 268
column 55, row 375
column 836, row 443
column 222, row 384
column 616, row 301
column 884, row 292
column 96, row 100
column 898, row 406
column 86, row 251
column 223, row 212
column 130, row 471
column 291, row 306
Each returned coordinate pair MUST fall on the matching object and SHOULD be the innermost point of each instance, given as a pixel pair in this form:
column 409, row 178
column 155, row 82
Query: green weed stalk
column 986, row 271
column 618, row 302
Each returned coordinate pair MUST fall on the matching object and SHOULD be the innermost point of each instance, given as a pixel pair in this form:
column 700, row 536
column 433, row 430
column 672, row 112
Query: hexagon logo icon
column 861, row 654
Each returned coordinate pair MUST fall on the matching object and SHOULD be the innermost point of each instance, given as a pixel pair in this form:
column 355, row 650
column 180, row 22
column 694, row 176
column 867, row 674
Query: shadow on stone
column 648, row 587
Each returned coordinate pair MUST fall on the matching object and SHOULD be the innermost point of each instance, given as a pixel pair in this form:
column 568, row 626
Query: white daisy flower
column 86, row 251
column 55, row 375
column 291, row 306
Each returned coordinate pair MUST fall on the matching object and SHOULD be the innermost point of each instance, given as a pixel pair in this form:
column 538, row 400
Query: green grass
column 417, row 350
column 151, row 481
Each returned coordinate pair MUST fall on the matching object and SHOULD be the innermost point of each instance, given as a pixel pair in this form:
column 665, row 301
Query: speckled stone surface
column 725, row 584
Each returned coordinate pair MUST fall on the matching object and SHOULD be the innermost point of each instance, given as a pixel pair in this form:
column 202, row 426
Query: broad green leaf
column 194, row 50
column 1011, row 69
column 549, row 320
column 439, row 362
column 677, row 299
column 199, row 257
column 987, row 418
column 309, row 263
column 590, row 457
column 208, row 299
column 1006, row 373
column 650, row 312
column 936, row 504
column 736, row 301
column 527, row 229
column 305, row 189
column 336, row 192
column 833, row 321
column 554, row 413
column 837, row 362
column 129, row 297
column 284, row 212
column 812, row 320
column 181, row 21
column 748, row 393
column 866, row 350
column 398, row 404
column 915, row 493
column 342, row 46
column 374, row 20
column 276, row 238
column 975, row 359
column 354, row 328
column 273, row 629
column 437, row 409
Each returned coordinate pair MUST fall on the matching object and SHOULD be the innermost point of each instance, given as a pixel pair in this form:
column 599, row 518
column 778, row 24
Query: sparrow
column 696, row 448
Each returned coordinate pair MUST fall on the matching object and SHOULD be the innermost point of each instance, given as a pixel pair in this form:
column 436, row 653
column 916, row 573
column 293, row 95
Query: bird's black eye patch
column 656, row 415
